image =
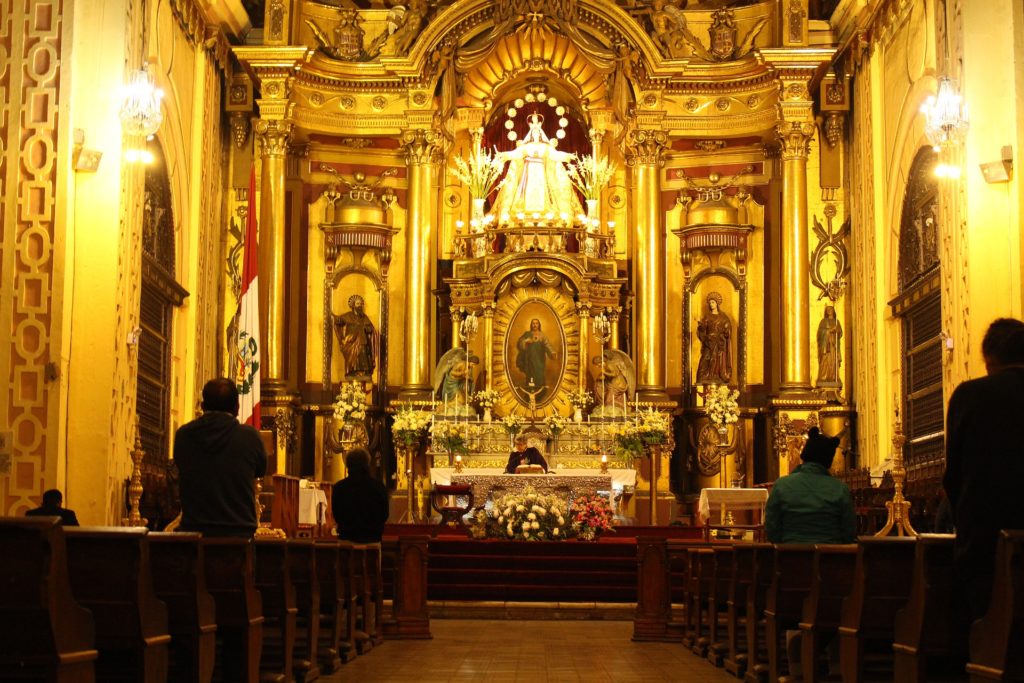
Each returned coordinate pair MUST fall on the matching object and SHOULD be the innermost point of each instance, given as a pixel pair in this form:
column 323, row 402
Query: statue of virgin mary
column 537, row 180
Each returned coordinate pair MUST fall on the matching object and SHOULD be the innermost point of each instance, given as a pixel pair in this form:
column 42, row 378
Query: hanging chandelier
column 140, row 104
column 945, row 115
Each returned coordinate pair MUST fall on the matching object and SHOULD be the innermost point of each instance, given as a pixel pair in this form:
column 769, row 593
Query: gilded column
column 613, row 316
column 273, row 137
column 583, row 310
column 645, row 156
column 489, row 307
column 795, row 139
column 421, row 150
column 456, row 321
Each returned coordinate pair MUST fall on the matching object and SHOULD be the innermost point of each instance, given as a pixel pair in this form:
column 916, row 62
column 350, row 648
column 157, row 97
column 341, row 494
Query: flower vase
column 478, row 208
column 487, row 415
column 577, row 415
column 591, row 208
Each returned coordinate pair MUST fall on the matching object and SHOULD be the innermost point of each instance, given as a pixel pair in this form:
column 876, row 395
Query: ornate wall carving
column 31, row 297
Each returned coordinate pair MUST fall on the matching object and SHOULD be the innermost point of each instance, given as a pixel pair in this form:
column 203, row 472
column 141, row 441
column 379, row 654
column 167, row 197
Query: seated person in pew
column 359, row 502
column 810, row 506
column 218, row 462
column 524, row 456
column 985, row 460
column 51, row 507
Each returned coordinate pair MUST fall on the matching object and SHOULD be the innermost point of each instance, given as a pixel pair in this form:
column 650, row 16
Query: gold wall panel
column 33, row 163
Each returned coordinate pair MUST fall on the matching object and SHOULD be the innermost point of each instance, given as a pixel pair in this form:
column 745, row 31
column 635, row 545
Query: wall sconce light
column 999, row 171
column 140, row 104
column 945, row 115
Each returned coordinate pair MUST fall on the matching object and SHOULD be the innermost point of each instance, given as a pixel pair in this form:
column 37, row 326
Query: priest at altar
column 524, row 456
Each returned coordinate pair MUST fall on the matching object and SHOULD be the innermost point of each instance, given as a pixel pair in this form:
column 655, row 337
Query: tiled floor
column 530, row 651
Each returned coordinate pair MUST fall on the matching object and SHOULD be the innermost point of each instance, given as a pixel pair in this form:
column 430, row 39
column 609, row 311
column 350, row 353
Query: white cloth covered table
column 731, row 500
column 621, row 478
column 312, row 506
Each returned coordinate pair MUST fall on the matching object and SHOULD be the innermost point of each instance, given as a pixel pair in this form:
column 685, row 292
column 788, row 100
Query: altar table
column 727, row 501
column 312, row 506
column 567, row 487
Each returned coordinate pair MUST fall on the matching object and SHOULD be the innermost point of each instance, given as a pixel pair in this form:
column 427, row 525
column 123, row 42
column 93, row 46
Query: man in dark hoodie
column 51, row 507
column 359, row 502
column 218, row 462
column 985, row 460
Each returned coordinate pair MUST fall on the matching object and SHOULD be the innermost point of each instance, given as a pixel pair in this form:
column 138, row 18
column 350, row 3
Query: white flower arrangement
column 590, row 175
column 525, row 516
column 479, row 172
column 555, row 424
column 653, row 426
column 486, row 398
column 628, row 443
column 451, row 436
column 350, row 405
column 580, row 399
column 512, row 424
column 410, row 426
column 722, row 406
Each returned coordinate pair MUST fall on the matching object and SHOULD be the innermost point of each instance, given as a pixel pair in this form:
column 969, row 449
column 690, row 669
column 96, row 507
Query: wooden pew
column 302, row 555
column 757, row 597
column 653, row 590
column 925, row 627
column 111, row 576
column 791, row 584
column 744, row 558
column 335, row 571
column 881, row 585
column 272, row 571
column 44, row 633
column 179, row 579
column 410, row 614
column 721, row 580
column 832, row 581
column 230, row 580
column 359, row 599
column 703, row 566
column 376, row 590
column 997, row 653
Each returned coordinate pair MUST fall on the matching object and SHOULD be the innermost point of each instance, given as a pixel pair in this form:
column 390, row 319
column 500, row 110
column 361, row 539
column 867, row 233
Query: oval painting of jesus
column 535, row 352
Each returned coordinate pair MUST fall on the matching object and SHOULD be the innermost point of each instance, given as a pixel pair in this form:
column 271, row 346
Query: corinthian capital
column 794, row 138
column 273, row 136
column 421, row 146
column 646, row 147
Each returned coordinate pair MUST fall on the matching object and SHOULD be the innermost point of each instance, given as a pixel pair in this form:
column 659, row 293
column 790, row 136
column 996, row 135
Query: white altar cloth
column 312, row 506
column 714, row 500
column 621, row 478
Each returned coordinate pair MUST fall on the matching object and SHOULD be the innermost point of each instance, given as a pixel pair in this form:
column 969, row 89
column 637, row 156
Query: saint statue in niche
column 616, row 385
column 357, row 340
column 714, row 332
column 533, row 349
column 537, row 180
column 454, row 381
column 830, row 358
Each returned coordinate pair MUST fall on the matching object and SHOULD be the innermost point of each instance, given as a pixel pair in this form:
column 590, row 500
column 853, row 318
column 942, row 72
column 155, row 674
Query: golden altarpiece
column 706, row 256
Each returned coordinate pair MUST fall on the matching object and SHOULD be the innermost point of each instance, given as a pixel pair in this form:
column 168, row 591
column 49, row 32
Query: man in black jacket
column 218, row 462
column 359, row 502
column 51, row 507
column 985, row 459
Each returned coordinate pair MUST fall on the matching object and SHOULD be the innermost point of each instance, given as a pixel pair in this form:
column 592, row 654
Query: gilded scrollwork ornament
column 831, row 249
column 646, row 147
column 421, row 147
column 347, row 41
column 724, row 43
column 239, row 122
column 794, row 138
column 274, row 136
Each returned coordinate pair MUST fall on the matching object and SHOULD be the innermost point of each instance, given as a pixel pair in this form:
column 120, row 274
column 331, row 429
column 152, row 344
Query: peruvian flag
column 247, row 344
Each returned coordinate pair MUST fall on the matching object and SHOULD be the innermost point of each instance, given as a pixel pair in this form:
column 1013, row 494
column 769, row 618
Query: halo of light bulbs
column 529, row 98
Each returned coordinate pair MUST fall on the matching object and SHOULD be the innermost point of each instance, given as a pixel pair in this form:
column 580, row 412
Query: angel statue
column 453, row 382
column 617, row 383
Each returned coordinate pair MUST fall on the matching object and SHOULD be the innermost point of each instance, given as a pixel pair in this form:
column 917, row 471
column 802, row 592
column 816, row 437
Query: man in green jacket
column 808, row 505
